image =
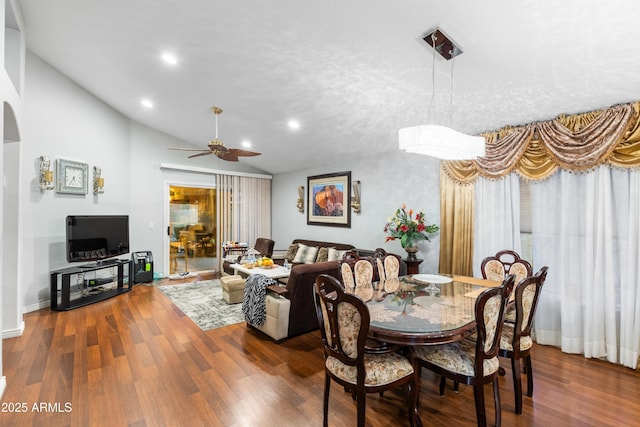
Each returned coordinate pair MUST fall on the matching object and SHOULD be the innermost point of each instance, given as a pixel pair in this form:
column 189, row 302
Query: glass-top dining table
column 422, row 309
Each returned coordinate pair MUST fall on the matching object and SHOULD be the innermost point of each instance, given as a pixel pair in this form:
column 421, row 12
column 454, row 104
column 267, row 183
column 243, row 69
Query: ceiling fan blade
column 187, row 149
column 205, row 153
column 236, row 152
column 227, row 156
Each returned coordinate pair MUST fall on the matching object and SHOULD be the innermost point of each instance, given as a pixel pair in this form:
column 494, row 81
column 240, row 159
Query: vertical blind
column 243, row 208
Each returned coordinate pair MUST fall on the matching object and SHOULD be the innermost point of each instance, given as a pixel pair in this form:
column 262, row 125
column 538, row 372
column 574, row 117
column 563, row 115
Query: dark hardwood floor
column 136, row 360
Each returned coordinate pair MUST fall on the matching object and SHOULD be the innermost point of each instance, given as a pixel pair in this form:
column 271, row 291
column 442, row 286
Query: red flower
column 420, row 227
column 404, row 228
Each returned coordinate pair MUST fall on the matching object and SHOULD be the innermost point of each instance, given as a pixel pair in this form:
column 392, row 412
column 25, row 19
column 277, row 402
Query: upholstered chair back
column 363, row 272
column 520, row 270
column 347, row 276
column 490, row 311
column 391, row 266
column 344, row 321
column 505, row 262
column 527, row 293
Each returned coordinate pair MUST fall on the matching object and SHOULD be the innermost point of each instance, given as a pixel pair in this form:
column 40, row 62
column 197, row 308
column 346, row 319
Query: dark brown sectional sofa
column 299, row 292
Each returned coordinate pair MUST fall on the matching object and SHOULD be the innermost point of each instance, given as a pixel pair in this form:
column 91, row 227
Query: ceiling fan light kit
column 217, row 147
column 434, row 140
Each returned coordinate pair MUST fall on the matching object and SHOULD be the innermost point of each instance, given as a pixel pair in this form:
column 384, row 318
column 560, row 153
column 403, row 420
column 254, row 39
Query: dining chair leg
column 517, row 383
column 443, row 383
column 528, row 367
column 478, row 397
column 496, row 398
column 325, row 408
column 362, row 402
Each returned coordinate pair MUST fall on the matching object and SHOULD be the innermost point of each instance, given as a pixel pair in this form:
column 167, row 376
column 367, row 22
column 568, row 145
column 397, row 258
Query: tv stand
column 63, row 297
column 102, row 263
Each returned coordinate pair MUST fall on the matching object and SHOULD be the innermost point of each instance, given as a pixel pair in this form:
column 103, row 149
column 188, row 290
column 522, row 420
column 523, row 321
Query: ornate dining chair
column 498, row 266
column 344, row 325
column 516, row 341
column 365, row 292
column 474, row 363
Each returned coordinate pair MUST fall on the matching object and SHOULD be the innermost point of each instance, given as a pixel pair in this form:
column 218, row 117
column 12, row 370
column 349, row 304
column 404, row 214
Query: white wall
column 388, row 181
column 64, row 121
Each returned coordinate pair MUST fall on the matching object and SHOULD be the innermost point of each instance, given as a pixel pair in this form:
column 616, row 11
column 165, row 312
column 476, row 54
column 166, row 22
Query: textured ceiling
column 352, row 72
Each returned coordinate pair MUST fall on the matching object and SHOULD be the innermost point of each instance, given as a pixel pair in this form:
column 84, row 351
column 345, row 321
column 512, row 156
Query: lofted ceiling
column 351, row 72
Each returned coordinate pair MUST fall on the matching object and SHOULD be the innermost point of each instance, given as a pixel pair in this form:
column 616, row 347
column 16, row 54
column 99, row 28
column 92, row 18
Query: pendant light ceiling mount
column 442, row 44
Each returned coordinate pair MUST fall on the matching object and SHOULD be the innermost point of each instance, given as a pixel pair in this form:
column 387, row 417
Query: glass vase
column 411, row 246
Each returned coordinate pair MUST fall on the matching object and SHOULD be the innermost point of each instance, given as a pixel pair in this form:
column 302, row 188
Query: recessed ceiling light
column 169, row 59
column 293, row 124
column 146, row 103
column 246, row 143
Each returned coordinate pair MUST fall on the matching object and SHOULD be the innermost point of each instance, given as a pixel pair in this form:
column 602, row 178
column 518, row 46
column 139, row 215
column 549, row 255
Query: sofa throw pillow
column 335, row 255
column 291, row 252
column 323, row 255
column 306, row 254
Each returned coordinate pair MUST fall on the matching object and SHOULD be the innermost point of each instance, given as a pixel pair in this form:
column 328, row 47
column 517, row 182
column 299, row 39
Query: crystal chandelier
column 435, row 140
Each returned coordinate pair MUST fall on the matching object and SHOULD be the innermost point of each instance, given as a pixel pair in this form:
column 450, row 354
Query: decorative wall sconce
column 98, row 181
column 46, row 174
column 355, row 199
column 300, row 203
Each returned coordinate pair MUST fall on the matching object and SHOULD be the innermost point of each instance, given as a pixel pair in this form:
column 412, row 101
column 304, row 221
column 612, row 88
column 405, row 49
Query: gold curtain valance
column 537, row 150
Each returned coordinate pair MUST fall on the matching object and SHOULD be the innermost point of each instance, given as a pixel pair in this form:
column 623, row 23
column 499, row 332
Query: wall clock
column 72, row 177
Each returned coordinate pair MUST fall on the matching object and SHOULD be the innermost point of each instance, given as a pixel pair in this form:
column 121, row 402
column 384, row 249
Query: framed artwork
column 72, row 177
column 328, row 200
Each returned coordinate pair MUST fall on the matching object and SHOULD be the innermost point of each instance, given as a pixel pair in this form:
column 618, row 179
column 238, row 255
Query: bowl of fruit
column 265, row 262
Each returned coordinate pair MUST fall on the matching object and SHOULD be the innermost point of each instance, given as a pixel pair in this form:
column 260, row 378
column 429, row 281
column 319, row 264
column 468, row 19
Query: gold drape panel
column 535, row 151
column 456, row 226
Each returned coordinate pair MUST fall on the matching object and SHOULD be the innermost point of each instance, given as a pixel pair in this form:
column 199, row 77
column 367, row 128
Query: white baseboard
column 3, row 385
column 35, row 307
column 13, row 333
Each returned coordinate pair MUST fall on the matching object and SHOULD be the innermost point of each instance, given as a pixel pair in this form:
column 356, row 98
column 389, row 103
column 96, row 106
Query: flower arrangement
column 407, row 227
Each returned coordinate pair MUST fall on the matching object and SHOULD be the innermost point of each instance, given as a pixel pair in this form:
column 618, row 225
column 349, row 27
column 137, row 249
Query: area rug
column 202, row 302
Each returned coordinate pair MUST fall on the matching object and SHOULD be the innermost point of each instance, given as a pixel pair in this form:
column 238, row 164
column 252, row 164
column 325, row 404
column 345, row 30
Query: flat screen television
column 96, row 237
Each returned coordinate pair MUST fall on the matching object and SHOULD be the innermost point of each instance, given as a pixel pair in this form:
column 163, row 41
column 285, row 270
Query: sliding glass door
column 192, row 229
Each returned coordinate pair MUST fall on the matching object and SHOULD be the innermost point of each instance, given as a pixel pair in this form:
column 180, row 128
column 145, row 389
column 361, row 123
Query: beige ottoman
column 232, row 288
column 276, row 324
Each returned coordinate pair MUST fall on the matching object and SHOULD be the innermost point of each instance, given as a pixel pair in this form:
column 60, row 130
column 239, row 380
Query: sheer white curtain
column 244, row 209
column 585, row 228
column 496, row 218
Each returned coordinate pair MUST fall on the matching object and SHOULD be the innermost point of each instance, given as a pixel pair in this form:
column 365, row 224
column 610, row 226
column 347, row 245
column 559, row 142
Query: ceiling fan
column 218, row 148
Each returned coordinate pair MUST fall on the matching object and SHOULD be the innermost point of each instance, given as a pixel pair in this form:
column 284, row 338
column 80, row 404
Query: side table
column 413, row 266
